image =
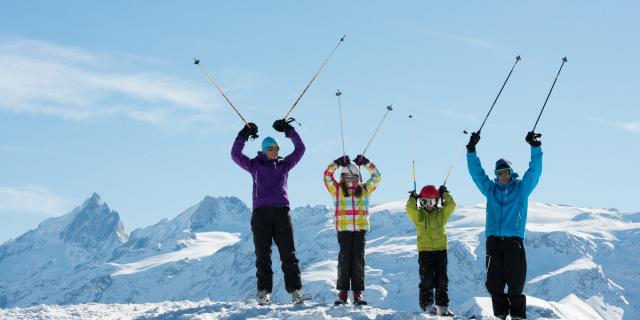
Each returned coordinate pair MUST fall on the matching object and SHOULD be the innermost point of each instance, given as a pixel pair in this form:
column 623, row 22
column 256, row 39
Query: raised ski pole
column 453, row 160
column 338, row 94
column 538, row 135
column 389, row 108
column 499, row 92
column 413, row 151
column 197, row 63
column 314, row 77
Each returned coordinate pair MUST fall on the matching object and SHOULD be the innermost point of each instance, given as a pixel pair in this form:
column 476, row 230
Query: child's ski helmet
column 429, row 192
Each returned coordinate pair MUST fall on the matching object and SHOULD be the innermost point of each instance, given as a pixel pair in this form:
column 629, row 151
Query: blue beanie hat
column 268, row 141
column 503, row 163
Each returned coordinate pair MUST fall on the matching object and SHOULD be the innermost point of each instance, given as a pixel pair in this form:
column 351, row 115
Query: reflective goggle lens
column 428, row 202
column 503, row 172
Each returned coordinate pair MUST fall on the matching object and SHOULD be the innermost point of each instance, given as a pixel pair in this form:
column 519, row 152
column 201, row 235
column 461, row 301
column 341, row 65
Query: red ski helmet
column 429, row 192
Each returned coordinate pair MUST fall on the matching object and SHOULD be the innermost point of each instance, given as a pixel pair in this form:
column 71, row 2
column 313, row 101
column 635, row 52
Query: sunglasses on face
column 428, row 202
column 273, row 149
column 503, row 172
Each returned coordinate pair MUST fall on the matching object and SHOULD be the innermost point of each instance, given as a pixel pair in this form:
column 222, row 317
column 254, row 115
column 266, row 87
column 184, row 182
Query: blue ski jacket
column 506, row 204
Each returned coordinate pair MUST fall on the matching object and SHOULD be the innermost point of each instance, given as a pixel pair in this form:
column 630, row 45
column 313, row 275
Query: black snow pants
column 506, row 265
column 433, row 274
column 351, row 260
column 273, row 224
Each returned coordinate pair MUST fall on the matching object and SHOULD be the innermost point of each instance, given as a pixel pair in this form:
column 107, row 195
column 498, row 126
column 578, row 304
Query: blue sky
column 103, row 97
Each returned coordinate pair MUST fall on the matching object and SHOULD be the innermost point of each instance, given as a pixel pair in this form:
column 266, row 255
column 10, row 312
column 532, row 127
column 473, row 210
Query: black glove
column 249, row 130
column 282, row 126
column 342, row 161
column 413, row 194
column 361, row 160
column 532, row 139
column 442, row 190
column 473, row 140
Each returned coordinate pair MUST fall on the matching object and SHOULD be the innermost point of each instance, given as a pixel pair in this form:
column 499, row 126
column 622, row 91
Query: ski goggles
column 349, row 176
column 503, row 172
column 273, row 149
column 428, row 202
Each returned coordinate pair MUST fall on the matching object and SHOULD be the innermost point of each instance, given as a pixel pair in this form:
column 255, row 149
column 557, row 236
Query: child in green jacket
column 430, row 221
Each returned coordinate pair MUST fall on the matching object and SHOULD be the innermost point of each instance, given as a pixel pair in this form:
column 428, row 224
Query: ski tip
column 564, row 59
column 196, row 61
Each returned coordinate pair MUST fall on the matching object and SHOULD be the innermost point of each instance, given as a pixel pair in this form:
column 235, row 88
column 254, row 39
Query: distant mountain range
column 578, row 256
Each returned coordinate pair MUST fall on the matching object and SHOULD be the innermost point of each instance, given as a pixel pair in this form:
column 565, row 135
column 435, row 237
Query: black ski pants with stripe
column 351, row 260
column 506, row 265
column 433, row 275
column 273, row 224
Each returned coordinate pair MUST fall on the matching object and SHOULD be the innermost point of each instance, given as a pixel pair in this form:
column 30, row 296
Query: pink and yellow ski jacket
column 352, row 213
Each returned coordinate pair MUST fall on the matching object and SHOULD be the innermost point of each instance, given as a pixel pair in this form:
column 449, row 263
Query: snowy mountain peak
column 213, row 212
column 95, row 201
column 95, row 225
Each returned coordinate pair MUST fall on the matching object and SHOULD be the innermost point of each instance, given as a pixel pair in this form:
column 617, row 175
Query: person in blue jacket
column 507, row 201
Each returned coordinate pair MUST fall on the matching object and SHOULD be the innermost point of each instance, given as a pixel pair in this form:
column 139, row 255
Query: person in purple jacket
column 270, row 220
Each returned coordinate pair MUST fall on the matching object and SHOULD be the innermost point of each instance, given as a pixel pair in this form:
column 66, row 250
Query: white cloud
column 466, row 40
column 42, row 78
column 32, row 199
column 631, row 126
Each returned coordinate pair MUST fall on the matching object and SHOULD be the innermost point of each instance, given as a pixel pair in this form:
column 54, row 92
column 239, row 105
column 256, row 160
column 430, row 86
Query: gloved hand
column 442, row 190
column 361, row 160
column 473, row 140
column 282, row 126
column 413, row 194
column 249, row 130
column 342, row 161
column 532, row 139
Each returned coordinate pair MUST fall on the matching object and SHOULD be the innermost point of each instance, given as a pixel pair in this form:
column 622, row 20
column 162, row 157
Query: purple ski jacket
column 269, row 176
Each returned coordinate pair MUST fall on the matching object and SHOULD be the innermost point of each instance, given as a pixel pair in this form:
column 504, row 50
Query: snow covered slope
column 582, row 264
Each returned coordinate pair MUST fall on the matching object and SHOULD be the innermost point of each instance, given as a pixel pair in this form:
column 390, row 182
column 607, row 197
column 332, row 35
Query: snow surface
column 582, row 264
column 205, row 244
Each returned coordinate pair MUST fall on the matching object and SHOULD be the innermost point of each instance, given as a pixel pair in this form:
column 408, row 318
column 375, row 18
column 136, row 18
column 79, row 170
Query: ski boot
column 343, row 298
column 298, row 297
column 358, row 299
column 263, row 297
column 444, row 311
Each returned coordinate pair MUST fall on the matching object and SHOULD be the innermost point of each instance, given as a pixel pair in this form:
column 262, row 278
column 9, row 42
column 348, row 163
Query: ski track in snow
column 205, row 244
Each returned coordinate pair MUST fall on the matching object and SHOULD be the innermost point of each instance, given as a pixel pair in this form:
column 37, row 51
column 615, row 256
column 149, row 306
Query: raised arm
column 236, row 154
column 329, row 181
column 532, row 176
column 249, row 130
column 294, row 157
column 374, row 178
column 412, row 210
column 478, row 175
column 449, row 205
